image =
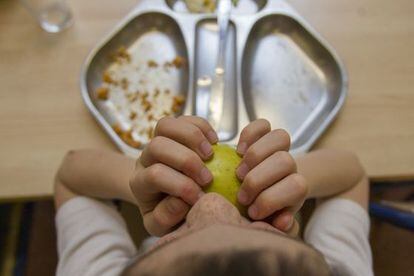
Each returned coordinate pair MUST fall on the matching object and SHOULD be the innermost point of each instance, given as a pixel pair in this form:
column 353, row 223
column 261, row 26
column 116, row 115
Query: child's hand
column 271, row 186
column 172, row 164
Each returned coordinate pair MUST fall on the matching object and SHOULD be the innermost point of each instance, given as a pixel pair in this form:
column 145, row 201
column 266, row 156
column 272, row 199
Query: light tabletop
column 42, row 114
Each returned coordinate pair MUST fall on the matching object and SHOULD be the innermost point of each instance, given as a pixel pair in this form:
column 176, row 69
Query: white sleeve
column 339, row 229
column 92, row 238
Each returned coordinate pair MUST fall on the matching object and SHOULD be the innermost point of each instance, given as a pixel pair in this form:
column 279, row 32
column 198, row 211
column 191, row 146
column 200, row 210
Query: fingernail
column 289, row 222
column 242, row 196
column 253, row 211
column 206, row 176
column 212, row 137
column 242, row 170
column 206, row 148
column 241, row 148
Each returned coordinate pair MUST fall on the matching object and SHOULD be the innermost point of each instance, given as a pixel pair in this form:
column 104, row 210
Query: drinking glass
column 52, row 15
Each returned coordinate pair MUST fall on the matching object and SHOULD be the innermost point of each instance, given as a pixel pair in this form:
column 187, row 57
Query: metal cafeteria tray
column 278, row 67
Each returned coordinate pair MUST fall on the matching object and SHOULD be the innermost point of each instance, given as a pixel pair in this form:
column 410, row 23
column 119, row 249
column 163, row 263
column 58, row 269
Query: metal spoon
column 215, row 109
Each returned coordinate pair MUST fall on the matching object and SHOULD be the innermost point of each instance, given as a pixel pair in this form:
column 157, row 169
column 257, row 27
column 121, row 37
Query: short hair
column 257, row 262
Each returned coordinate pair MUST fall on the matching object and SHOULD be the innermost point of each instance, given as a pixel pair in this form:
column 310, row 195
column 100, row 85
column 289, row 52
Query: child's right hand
column 172, row 164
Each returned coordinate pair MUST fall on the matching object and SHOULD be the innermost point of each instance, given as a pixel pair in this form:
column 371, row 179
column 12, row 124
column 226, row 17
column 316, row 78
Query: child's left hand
column 271, row 187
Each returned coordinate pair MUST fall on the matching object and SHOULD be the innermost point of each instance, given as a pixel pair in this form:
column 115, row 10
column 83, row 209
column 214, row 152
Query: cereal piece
column 146, row 105
column 102, row 93
column 117, row 129
column 179, row 62
column 134, row 144
column 132, row 97
column 144, row 95
column 127, row 138
column 175, row 108
column 166, row 113
column 167, row 91
column 123, row 53
column 150, row 117
column 152, row 64
column 124, row 83
column 157, row 92
column 107, row 77
column 179, row 100
column 167, row 65
column 132, row 115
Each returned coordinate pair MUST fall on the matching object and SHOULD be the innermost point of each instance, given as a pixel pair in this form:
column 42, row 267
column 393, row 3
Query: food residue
column 179, row 62
column 152, row 64
column 132, row 115
column 142, row 91
column 102, row 93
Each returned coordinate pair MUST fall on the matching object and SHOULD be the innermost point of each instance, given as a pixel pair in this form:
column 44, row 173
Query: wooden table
column 42, row 114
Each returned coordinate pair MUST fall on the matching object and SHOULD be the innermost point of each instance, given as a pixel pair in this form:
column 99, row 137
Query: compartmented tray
column 154, row 63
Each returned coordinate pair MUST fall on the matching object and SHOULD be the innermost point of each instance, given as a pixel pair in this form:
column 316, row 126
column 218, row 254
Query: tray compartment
column 148, row 37
column 289, row 77
column 243, row 7
column 206, row 47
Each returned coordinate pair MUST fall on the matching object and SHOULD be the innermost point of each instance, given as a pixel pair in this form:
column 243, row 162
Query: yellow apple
column 223, row 167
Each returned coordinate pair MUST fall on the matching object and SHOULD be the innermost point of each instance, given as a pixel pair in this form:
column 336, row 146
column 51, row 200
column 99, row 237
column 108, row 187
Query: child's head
column 216, row 240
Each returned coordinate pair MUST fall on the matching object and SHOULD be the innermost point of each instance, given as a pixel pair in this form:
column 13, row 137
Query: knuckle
column 252, row 156
column 283, row 136
column 265, row 123
column 250, row 183
column 153, row 172
column 155, row 144
column 196, row 132
column 287, row 160
column 264, row 204
column 189, row 163
column 187, row 188
column 162, row 124
column 300, row 184
column 246, row 132
column 202, row 121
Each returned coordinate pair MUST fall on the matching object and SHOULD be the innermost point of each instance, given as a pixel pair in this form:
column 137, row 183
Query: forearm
column 330, row 172
column 94, row 173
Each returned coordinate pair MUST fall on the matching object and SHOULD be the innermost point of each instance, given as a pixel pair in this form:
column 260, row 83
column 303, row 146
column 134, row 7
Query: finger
column 158, row 179
column 173, row 154
column 294, row 230
column 290, row 191
column 264, row 175
column 203, row 125
column 168, row 213
column 276, row 140
column 251, row 133
column 186, row 134
column 285, row 220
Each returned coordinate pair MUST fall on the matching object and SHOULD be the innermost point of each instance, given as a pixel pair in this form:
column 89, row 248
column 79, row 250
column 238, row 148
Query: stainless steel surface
column 218, row 84
column 288, row 77
column 243, row 7
column 278, row 67
column 206, row 49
